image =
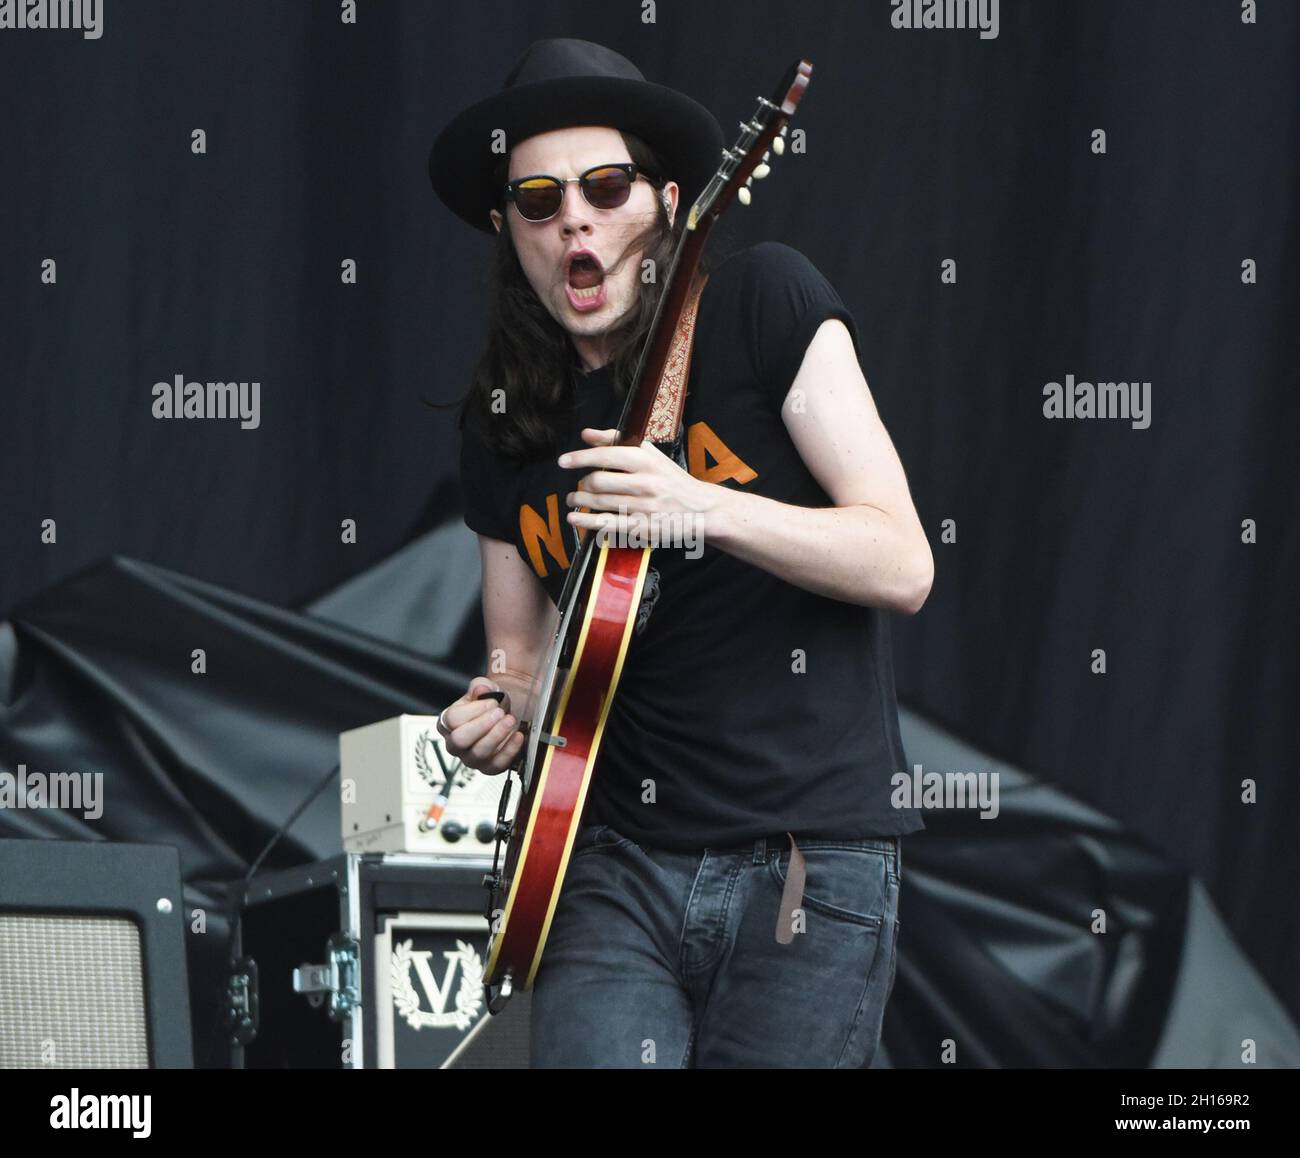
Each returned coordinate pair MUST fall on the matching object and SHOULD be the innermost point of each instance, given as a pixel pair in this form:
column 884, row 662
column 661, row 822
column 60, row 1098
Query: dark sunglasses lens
column 607, row 188
column 537, row 200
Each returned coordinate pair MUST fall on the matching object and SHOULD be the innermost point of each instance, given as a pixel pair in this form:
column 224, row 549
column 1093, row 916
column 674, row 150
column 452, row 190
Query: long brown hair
column 531, row 357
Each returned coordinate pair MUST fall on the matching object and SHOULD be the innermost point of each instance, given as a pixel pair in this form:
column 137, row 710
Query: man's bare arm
column 518, row 621
column 868, row 548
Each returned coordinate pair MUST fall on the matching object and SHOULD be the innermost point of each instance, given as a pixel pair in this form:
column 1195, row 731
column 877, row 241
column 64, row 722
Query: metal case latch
column 242, row 1011
column 339, row 978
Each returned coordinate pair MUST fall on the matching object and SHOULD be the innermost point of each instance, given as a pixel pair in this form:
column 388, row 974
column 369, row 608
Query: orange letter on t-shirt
column 701, row 441
column 536, row 531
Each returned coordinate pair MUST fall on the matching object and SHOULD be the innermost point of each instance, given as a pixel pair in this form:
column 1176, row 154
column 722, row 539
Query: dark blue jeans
column 670, row 959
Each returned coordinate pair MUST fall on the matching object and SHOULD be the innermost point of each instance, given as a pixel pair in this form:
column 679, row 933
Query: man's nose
column 574, row 210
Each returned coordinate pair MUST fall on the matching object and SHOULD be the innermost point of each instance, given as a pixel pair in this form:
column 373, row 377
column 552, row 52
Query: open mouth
column 586, row 279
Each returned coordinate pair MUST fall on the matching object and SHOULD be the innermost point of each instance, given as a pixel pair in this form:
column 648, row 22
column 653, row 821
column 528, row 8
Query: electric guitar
column 598, row 606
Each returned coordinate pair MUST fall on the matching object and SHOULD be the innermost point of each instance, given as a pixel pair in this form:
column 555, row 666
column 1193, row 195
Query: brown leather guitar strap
column 665, row 421
column 666, row 415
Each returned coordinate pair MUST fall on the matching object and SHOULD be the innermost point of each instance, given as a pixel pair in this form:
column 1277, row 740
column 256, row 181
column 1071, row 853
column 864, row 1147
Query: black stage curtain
column 1072, row 536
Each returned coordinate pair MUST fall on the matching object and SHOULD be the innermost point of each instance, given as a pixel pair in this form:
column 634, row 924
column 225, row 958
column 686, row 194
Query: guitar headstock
column 748, row 160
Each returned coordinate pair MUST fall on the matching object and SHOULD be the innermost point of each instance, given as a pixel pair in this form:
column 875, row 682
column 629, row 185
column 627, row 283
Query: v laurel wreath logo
column 469, row 997
column 423, row 745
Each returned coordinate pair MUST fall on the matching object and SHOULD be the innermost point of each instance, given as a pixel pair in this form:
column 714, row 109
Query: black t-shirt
column 747, row 706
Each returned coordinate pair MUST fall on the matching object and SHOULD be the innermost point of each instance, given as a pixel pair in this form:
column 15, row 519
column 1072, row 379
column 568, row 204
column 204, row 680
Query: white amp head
column 391, row 774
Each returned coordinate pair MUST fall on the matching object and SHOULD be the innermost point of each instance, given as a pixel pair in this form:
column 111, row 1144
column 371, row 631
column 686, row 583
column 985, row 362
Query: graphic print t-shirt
column 747, row 706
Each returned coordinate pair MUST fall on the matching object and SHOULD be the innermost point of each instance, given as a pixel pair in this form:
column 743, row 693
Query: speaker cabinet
column 92, row 957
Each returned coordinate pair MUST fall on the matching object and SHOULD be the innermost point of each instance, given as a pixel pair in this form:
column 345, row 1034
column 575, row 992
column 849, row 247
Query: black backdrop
column 921, row 146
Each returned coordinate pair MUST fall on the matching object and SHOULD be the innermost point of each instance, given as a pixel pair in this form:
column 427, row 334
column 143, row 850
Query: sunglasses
column 538, row 198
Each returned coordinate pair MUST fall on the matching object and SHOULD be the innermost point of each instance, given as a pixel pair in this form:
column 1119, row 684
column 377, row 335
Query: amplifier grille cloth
column 71, row 993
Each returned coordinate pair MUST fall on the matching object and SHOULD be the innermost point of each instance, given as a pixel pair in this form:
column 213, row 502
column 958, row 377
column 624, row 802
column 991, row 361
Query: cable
column 297, row 812
column 237, row 895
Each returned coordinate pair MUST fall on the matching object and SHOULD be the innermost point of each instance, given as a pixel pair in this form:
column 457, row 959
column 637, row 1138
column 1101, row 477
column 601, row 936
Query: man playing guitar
column 754, row 731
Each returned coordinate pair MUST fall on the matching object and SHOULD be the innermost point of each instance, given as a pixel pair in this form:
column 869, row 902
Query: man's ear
column 672, row 191
column 496, row 219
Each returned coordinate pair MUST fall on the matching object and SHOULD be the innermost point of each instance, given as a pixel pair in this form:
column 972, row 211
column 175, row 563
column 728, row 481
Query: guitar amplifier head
column 393, row 771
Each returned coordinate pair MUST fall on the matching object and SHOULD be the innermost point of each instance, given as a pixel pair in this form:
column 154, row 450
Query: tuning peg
column 761, row 171
column 778, row 145
column 743, row 195
column 767, row 154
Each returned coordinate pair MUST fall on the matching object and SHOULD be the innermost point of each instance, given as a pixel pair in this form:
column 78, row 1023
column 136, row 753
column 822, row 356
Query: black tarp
column 998, row 953
column 97, row 676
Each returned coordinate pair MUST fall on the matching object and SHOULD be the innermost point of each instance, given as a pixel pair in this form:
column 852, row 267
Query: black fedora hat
column 559, row 84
